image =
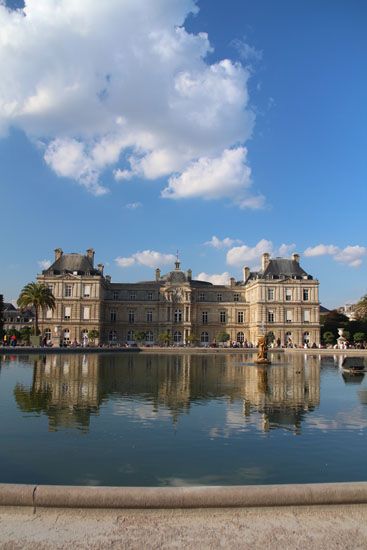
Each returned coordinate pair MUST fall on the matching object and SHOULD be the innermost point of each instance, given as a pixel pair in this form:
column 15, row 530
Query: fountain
column 262, row 354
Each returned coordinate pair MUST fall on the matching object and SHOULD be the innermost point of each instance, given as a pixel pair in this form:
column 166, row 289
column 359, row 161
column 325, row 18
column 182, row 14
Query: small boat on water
column 353, row 365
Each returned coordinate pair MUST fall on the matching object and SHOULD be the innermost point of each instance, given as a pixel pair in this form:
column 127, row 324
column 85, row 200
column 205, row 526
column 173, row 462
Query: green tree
column 139, row 336
column 25, row 333
column 93, row 334
column 359, row 337
column 269, row 338
column 360, row 309
column 38, row 296
column 223, row 337
column 329, row 338
column 164, row 338
column 192, row 339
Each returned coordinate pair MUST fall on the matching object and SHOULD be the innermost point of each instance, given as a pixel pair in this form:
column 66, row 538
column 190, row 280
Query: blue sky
column 124, row 128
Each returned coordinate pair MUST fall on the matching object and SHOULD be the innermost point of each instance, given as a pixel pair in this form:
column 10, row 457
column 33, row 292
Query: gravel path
column 316, row 527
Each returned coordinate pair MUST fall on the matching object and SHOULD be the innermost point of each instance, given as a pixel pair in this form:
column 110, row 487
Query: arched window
column 112, row 336
column 306, row 337
column 177, row 337
column 204, row 338
column 240, row 337
column 47, row 334
column 178, row 316
column 130, row 336
column 149, row 336
column 66, row 336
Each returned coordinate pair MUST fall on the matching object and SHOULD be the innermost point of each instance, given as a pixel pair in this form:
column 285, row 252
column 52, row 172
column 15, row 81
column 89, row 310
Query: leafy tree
column 93, row 334
column 139, row 336
column 1, row 316
column 359, row 337
column 25, row 333
column 329, row 338
column 164, row 338
column 192, row 339
column 38, row 296
column 346, row 334
column 270, row 338
column 223, row 337
column 360, row 309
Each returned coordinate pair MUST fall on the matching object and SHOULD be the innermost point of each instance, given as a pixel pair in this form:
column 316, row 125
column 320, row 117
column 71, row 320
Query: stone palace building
column 280, row 298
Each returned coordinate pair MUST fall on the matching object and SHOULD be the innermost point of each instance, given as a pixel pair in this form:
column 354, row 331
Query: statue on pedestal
column 262, row 354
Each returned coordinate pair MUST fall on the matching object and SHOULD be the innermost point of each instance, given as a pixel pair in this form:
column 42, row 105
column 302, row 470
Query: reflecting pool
column 174, row 420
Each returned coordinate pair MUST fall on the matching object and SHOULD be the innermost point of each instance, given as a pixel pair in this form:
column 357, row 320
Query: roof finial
column 177, row 262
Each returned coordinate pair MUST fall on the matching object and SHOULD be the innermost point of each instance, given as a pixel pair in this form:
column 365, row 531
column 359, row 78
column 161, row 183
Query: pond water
column 174, row 420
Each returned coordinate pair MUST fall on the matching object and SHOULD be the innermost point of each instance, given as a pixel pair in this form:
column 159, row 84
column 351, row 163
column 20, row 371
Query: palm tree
column 38, row 296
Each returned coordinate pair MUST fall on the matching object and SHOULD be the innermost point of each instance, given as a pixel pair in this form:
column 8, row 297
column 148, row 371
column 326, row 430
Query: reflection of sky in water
column 137, row 419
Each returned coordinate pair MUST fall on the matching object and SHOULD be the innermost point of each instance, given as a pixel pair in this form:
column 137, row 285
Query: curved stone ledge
column 57, row 496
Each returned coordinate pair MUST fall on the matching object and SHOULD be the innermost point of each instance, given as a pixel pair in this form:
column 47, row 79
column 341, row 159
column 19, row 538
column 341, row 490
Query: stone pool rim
column 235, row 496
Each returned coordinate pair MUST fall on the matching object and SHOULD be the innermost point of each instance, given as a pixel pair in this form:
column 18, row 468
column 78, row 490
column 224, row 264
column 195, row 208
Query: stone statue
column 262, row 354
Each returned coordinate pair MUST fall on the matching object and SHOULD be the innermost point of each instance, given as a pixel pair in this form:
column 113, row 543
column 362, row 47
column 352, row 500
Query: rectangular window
column 131, row 317
column 288, row 294
column 150, row 296
column 49, row 313
column 288, row 316
column 67, row 312
column 240, row 316
column 86, row 291
column 115, row 295
column 132, row 296
column 236, row 297
column 219, row 297
column 68, row 291
column 86, row 313
column 306, row 294
column 270, row 294
column 187, row 296
column 271, row 316
column 149, row 316
column 222, row 316
column 204, row 317
column 113, row 315
column 306, row 316
column 201, row 297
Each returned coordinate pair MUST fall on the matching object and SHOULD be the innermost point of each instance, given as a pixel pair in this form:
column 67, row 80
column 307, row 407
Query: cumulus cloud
column 215, row 279
column 212, row 178
column 249, row 255
column 215, row 242
column 148, row 258
column 44, row 264
column 246, row 51
column 286, row 249
column 123, row 86
column 350, row 255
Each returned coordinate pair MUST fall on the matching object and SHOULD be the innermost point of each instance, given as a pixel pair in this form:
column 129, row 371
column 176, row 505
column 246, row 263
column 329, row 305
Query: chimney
column 232, row 281
column 90, row 255
column 157, row 274
column 58, row 253
column 189, row 274
column 265, row 261
column 245, row 273
column 100, row 268
column 295, row 258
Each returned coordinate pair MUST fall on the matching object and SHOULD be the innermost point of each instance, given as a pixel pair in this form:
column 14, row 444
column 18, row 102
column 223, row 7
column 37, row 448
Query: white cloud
column 44, row 264
column 123, row 85
column 148, row 258
column 350, row 255
column 215, row 242
column 226, row 176
column 215, row 279
column 133, row 205
column 247, row 255
column 246, row 51
column 286, row 249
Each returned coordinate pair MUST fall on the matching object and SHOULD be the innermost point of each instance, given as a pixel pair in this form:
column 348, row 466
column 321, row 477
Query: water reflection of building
column 69, row 388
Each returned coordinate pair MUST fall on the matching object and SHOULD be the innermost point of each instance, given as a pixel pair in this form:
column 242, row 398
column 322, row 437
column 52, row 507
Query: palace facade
column 280, row 298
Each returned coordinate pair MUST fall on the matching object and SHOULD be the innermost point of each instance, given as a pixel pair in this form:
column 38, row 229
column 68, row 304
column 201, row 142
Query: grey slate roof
column 280, row 268
column 69, row 263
